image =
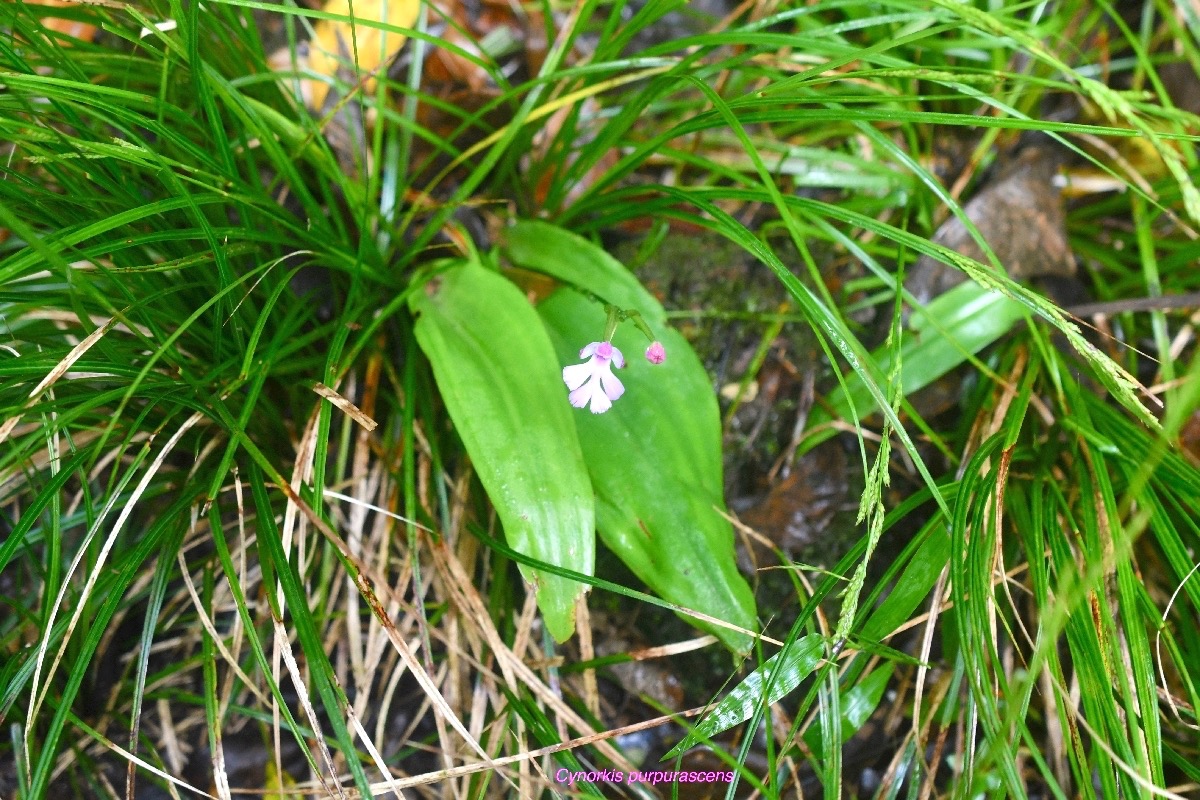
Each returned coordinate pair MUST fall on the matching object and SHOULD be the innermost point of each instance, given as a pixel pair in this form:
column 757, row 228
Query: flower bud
column 655, row 353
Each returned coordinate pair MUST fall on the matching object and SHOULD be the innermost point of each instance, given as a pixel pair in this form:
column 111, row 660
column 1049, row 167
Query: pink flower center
column 604, row 350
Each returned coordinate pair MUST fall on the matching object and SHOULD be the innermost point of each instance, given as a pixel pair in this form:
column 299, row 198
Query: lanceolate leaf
column 561, row 254
column 500, row 379
column 766, row 685
column 655, row 457
column 912, row 587
column 654, row 462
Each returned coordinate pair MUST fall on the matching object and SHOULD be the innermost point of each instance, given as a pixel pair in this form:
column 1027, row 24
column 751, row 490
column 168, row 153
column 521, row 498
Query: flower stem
column 614, row 317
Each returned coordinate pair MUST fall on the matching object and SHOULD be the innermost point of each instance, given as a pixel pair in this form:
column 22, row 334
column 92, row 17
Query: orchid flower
column 593, row 381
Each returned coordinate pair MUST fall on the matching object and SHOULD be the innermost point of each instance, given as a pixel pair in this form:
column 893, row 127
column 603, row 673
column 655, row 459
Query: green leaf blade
column 499, row 378
column 572, row 259
column 655, row 462
column 768, row 684
column 858, row 703
column 655, row 456
column 951, row 329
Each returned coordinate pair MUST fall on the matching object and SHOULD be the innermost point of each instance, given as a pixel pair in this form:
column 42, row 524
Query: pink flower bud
column 655, row 353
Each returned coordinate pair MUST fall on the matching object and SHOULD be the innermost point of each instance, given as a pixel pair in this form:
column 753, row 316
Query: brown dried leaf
column 1189, row 437
column 1182, row 84
column 798, row 509
column 351, row 410
column 1019, row 214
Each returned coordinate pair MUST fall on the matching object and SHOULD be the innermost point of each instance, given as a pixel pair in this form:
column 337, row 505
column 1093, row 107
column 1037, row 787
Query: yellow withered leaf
column 334, row 45
column 84, row 31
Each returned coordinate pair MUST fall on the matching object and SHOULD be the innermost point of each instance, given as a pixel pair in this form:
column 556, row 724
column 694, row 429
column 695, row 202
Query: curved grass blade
column 951, row 329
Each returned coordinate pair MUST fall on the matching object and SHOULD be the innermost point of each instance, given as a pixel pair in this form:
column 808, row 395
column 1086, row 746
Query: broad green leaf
column 857, row 705
column 655, row 462
column 500, row 379
column 766, row 685
column 956, row 325
column 655, row 457
column 572, row 259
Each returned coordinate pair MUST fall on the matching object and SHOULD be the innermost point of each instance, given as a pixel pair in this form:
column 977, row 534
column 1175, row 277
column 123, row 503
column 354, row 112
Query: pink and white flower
column 655, row 353
column 593, row 382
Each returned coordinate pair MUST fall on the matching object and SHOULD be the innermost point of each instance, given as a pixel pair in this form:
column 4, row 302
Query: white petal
column 581, row 396
column 589, row 350
column 600, row 403
column 612, row 386
column 575, row 375
column 590, row 393
column 618, row 359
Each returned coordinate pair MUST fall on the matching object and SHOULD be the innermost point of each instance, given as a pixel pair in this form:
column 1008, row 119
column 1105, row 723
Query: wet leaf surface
column 768, row 684
column 497, row 373
column 655, row 457
column 735, row 300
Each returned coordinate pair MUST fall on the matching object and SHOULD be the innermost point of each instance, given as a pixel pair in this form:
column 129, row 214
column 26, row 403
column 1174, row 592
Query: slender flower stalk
column 592, row 383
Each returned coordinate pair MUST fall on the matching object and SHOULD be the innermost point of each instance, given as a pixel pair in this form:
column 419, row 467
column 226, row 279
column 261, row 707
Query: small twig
column 1162, row 303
